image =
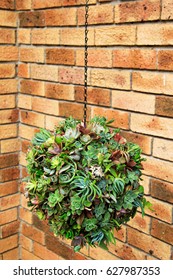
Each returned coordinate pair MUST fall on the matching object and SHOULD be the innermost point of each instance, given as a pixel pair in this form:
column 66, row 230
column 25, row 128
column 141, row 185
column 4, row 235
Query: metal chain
column 86, row 62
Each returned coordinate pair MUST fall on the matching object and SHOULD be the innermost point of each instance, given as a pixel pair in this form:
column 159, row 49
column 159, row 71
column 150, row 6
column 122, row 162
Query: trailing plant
column 85, row 181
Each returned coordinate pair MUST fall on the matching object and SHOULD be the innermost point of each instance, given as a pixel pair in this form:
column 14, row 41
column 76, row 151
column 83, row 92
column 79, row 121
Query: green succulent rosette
column 85, row 181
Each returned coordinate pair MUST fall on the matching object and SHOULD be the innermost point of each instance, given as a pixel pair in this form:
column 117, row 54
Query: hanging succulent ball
column 85, row 181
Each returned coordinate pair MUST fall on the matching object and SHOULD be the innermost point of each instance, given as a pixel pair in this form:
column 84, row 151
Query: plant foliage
column 85, row 181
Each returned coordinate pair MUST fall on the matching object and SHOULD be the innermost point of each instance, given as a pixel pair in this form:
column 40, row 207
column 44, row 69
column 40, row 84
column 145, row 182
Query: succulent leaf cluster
column 85, row 181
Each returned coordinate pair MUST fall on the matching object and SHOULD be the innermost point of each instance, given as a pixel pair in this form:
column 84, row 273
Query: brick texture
column 9, row 142
column 137, row 11
column 7, row 4
column 130, row 80
column 149, row 244
column 162, row 231
column 135, row 58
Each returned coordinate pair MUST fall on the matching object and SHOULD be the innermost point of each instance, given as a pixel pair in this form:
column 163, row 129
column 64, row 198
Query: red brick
column 44, row 72
column 8, row 18
column 96, row 96
column 101, row 254
column 22, row 159
column 75, row 37
column 119, row 79
column 152, row 165
column 23, row 4
column 47, row 106
column 8, row 243
column 41, row 225
column 168, row 89
column 8, row 131
column 10, row 201
column 163, row 149
column 7, row 4
column 7, row 70
column 59, row 91
column 75, row 2
column 116, row 35
column 24, row 36
column 148, row 82
column 10, row 229
column 37, row 4
column 7, row 101
column 23, row 70
column 60, row 56
column 121, row 119
column 162, row 34
column 165, row 60
column 25, row 215
column 167, row 10
column 60, row 17
column 25, row 255
column 140, row 223
column 96, row 57
column 32, row 54
column 101, row 15
column 32, row 87
column 47, row 36
column 32, row 118
column 126, row 252
column 8, row 53
column 135, row 58
column 11, row 255
column 71, row 109
column 61, row 249
column 25, row 242
column 164, row 106
column 152, row 125
column 27, row 132
column 149, row 244
column 32, row 233
column 24, row 172
column 7, row 36
column 44, row 253
column 71, row 75
column 9, row 116
column 162, row 210
column 8, row 187
column 24, row 101
column 8, row 160
column 162, row 231
column 162, row 190
column 25, row 145
column 133, row 101
column 145, row 10
column 10, row 145
column 8, row 216
column 31, row 19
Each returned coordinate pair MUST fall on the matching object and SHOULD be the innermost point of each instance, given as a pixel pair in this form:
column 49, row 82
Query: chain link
column 86, row 62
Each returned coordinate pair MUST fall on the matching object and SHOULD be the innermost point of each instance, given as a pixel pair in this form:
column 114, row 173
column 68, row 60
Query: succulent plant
column 85, row 181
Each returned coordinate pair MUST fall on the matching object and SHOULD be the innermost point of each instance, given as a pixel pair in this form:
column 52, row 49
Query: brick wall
column 9, row 143
column 130, row 80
